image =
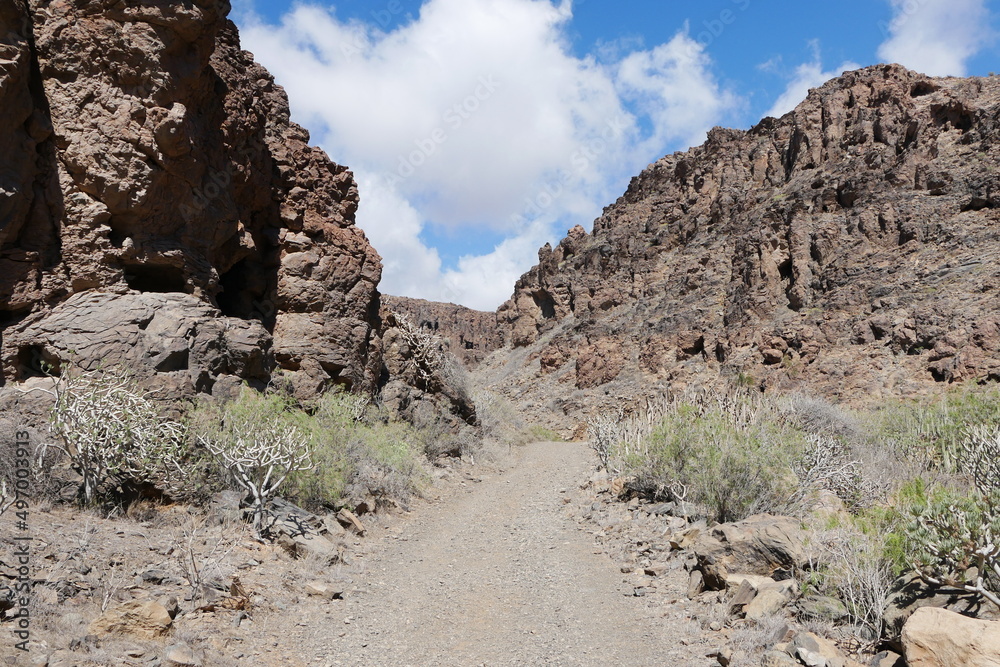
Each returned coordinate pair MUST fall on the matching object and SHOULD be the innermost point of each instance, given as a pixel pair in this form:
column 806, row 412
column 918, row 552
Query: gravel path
column 499, row 574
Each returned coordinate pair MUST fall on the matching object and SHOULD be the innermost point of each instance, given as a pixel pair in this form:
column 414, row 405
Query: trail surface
column 499, row 574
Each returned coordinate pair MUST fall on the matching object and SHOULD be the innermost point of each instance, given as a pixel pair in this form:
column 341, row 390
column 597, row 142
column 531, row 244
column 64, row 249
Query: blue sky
column 480, row 129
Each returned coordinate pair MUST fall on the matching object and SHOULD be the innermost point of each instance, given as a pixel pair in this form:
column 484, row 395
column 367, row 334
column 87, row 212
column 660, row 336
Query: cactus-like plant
column 253, row 439
column 956, row 537
column 110, row 429
column 956, row 541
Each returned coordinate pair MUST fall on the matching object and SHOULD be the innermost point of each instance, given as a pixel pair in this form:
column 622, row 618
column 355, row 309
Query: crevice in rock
column 953, row 114
column 545, row 303
column 155, row 278
column 32, row 361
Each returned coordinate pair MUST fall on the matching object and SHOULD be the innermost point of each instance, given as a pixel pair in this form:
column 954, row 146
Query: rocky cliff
column 468, row 334
column 849, row 248
column 152, row 183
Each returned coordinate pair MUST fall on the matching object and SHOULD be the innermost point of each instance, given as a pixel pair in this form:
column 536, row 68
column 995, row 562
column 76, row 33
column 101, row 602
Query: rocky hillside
column 849, row 248
column 158, row 206
column 469, row 334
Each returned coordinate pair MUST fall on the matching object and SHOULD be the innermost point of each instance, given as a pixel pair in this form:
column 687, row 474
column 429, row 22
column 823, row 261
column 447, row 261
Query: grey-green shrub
column 358, row 452
column 953, row 538
column 259, row 440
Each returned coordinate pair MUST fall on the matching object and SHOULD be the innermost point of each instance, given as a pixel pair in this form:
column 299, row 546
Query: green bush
column 953, row 538
column 731, row 456
column 258, row 440
column 932, row 432
column 358, row 452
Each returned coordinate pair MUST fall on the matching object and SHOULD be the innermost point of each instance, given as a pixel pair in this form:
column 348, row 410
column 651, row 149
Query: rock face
column 848, row 248
column 145, row 152
column 940, row 638
column 423, row 383
column 182, row 340
column 470, row 334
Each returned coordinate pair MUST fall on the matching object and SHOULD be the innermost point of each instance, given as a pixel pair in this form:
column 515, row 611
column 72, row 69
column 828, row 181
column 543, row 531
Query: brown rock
column 151, row 154
column 778, row 659
column 470, row 335
column 940, row 638
column 182, row 655
column 826, row 239
column 350, row 521
column 762, row 544
column 910, row 593
column 147, row 620
column 815, row 651
column 324, row 590
column 887, row 659
column 770, row 600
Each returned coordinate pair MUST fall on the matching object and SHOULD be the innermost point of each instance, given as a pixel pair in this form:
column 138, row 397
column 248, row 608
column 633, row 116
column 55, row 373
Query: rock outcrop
column 849, row 248
column 940, row 638
column 469, row 334
column 145, row 152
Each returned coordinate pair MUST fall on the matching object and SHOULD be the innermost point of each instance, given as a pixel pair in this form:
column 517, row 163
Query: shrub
column 933, row 433
column 728, row 452
column 980, row 457
column 359, row 452
column 954, row 538
column 499, row 420
column 112, row 430
column 257, row 439
column 853, row 565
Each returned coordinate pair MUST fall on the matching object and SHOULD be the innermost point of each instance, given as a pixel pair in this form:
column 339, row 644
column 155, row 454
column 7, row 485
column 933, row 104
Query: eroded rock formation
column 469, row 334
column 849, row 248
column 144, row 151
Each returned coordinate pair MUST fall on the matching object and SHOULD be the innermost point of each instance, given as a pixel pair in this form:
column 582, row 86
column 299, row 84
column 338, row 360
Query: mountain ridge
column 847, row 249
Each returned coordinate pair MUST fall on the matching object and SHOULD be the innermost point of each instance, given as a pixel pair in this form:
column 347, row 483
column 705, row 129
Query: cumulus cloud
column 477, row 115
column 935, row 37
column 807, row 75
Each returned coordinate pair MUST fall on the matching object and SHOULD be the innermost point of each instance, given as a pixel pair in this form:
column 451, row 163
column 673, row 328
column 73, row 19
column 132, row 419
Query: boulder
column 182, row 655
column 778, row 659
column 887, row 659
column 174, row 342
column 935, row 637
column 321, row 589
column 821, row 608
column 812, row 650
column 910, row 593
column 764, row 545
column 145, row 620
column 770, row 599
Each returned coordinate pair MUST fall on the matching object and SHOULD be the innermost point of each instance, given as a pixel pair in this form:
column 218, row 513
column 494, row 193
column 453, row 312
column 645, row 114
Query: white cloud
column 935, row 37
column 668, row 84
column 807, row 75
column 476, row 115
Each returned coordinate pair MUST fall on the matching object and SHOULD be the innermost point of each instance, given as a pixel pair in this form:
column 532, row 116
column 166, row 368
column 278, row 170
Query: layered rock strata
column 850, row 248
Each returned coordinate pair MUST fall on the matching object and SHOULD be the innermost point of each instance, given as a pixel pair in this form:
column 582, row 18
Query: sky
column 479, row 130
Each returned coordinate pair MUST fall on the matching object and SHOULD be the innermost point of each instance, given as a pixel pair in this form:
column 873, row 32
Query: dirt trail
column 499, row 574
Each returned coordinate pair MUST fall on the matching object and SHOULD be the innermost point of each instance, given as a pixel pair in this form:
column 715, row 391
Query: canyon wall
column 850, row 248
